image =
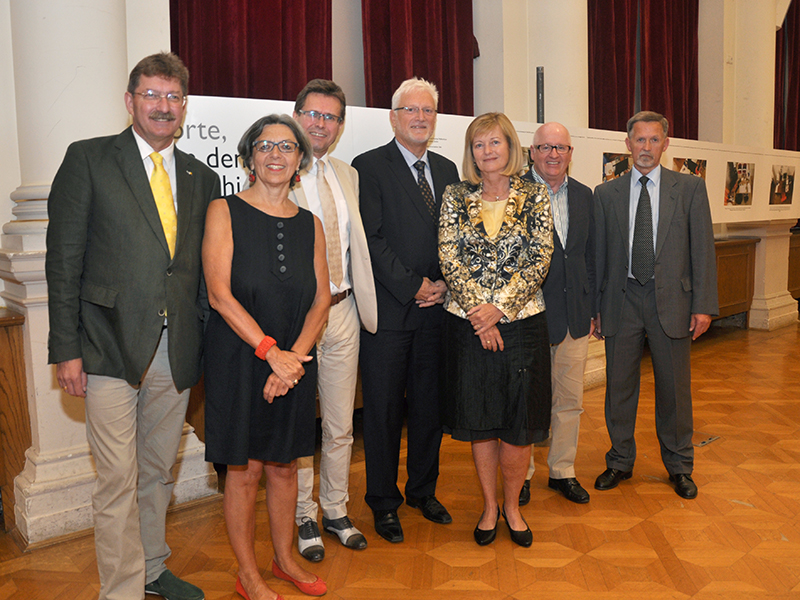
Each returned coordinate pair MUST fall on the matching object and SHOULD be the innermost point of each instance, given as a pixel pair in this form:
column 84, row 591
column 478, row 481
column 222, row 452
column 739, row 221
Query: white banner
column 214, row 125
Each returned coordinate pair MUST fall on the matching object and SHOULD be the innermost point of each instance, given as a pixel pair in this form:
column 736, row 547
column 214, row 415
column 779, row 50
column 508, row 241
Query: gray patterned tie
column 422, row 181
column 642, row 254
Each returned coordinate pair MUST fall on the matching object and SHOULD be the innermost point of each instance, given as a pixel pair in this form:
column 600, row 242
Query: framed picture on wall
column 739, row 184
column 615, row 165
column 782, row 185
column 692, row 166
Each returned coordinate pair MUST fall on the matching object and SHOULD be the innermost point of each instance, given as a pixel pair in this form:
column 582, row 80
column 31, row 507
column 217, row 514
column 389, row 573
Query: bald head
column 551, row 165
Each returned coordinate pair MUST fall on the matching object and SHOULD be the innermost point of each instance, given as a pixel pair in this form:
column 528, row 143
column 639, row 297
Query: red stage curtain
column 612, row 62
column 668, row 59
column 787, row 81
column 431, row 39
column 252, row 48
column 669, row 63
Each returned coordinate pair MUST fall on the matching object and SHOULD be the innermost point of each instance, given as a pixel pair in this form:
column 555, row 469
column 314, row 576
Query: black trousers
column 400, row 378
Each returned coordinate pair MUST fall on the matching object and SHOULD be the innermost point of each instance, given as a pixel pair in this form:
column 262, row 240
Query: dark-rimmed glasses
column 547, row 148
column 285, row 146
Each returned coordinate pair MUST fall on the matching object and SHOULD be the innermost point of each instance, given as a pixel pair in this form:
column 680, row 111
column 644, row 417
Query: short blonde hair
column 481, row 124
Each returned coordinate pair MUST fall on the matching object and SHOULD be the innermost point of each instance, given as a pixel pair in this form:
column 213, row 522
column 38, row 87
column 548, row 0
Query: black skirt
column 503, row 395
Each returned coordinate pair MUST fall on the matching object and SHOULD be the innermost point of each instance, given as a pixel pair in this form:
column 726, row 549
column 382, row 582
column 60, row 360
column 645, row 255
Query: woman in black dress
column 267, row 277
column 495, row 243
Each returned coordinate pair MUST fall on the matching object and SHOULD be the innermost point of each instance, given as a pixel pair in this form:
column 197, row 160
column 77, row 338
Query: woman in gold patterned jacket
column 495, row 242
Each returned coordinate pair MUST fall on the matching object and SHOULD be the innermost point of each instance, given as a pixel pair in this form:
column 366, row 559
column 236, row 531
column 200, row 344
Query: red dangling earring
column 252, row 178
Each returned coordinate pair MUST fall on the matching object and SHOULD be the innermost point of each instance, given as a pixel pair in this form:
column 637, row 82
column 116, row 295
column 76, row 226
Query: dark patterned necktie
column 642, row 255
column 422, row 181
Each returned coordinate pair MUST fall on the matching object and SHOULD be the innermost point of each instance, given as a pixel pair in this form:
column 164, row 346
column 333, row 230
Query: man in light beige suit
column 329, row 189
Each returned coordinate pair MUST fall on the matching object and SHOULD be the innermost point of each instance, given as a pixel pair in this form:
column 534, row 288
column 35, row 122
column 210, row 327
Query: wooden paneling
column 736, row 262
column 15, row 424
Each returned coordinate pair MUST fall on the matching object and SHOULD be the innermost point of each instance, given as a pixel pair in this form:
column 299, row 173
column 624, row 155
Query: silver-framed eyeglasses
column 547, row 148
column 414, row 110
column 154, row 96
column 285, row 146
column 314, row 115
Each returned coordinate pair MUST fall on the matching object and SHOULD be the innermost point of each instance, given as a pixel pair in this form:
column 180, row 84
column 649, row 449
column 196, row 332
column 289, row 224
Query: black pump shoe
column 484, row 537
column 521, row 538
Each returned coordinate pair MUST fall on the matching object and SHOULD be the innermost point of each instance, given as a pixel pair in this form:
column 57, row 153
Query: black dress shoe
column 684, row 486
column 525, row 493
column 387, row 525
column 431, row 508
column 572, row 490
column 521, row 538
column 610, row 478
column 486, row 536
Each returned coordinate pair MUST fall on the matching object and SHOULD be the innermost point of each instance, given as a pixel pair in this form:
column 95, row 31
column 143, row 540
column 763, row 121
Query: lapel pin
column 188, row 172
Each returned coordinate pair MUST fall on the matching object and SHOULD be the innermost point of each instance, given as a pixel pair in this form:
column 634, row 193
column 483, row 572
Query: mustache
column 157, row 115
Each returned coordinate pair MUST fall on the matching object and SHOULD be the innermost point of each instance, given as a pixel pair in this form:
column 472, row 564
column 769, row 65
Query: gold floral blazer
column 507, row 270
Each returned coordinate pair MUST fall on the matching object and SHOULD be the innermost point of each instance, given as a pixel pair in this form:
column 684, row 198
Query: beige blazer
column 360, row 268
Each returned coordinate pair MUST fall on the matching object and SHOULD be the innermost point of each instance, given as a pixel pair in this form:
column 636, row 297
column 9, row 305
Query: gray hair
column 245, row 147
column 412, row 85
column 648, row 116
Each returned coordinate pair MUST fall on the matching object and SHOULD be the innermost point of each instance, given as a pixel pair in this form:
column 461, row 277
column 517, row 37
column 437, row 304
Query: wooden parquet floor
column 739, row 539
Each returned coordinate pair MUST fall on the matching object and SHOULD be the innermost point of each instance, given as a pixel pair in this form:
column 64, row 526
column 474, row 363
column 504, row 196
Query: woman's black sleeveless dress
column 272, row 276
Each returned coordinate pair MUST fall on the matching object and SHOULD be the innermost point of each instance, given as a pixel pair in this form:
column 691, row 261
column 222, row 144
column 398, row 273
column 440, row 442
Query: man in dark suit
column 569, row 291
column 401, row 187
column 123, row 271
column 657, row 278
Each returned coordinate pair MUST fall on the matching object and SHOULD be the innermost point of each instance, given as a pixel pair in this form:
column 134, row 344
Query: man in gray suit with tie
column 657, row 279
column 329, row 189
column 127, row 214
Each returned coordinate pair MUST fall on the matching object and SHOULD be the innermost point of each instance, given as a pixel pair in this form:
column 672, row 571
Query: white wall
column 9, row 165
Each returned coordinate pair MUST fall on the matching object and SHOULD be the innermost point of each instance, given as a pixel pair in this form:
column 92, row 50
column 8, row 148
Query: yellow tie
column 162, row 192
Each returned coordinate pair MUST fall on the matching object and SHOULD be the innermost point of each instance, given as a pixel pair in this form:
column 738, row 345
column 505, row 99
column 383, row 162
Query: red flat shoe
column 240, row 590
column 315, row 588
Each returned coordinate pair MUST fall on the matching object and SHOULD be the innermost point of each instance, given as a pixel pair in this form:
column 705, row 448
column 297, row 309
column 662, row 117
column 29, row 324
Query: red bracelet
column 264, row 346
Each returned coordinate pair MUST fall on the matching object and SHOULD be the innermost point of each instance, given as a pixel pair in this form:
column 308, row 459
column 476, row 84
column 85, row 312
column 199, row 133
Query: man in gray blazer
column 569, row 292
column 329, row 189
column 657, row 279
column 127, row 214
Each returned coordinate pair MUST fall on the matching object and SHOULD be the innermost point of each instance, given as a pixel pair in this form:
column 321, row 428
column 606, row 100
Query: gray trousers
column 673, row 393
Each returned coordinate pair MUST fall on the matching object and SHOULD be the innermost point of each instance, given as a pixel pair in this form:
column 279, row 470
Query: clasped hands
column 484, row 318
column 430, row 293
column 287, row 370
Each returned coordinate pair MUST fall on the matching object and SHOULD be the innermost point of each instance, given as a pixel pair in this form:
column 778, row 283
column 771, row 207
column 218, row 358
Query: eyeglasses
column 285, row 146
column 314, row 115
column 547, row 148
column 413, row 110
column 153, row 96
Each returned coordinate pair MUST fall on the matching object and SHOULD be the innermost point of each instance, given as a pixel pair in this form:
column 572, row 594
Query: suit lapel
column 621, row 196
column 401, row 170
column 350, row 194
column 130, row 162
column 184, row 179
column 668, row 193
column 577, row 216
